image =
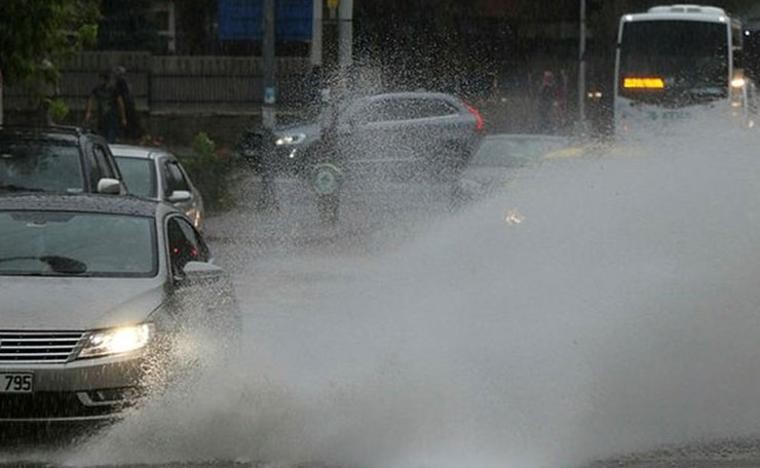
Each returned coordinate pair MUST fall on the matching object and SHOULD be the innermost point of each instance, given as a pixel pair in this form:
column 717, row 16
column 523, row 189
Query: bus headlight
column 116, row 341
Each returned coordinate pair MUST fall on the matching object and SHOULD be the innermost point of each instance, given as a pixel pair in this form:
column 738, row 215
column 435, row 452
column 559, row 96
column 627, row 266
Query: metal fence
column 174, row 84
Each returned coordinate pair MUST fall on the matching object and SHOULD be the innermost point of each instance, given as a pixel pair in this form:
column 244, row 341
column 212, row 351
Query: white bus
column 675, row 61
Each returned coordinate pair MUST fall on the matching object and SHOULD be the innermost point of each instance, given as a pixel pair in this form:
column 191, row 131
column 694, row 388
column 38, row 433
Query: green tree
column 36, row 35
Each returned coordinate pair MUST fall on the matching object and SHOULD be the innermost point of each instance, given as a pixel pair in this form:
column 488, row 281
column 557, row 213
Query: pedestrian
column 133, row 130
column 548, row 100
column 106, row 108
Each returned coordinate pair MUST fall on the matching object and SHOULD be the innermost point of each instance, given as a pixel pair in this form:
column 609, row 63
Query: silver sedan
column 99, row 295
column 156, row 174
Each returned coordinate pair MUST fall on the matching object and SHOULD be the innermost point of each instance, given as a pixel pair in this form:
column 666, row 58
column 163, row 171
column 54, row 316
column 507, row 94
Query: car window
column 395, row 109
column 424, row 108
column 40, row 165
column 185, row 244
column 140, row 175
column 63, row 243
column 174, row 177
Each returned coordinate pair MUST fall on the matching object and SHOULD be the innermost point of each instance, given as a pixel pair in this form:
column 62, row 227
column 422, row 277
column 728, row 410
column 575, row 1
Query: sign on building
column 242, row 20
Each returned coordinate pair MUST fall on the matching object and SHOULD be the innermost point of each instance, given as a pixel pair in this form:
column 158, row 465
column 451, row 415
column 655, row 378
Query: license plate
column 15, row 382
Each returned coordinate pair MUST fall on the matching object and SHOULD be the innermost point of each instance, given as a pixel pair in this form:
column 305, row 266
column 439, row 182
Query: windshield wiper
column 58, row 263
column 19, row 188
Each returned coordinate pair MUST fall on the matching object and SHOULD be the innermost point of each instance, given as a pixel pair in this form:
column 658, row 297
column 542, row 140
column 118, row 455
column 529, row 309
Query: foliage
column 36, row 34
column 57, row 109
column 208, row 168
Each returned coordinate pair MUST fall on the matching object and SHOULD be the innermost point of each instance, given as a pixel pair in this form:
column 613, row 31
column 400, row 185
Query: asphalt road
column 355, row 354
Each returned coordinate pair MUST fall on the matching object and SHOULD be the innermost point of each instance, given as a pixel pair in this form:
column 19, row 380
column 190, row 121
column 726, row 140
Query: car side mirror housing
column 199, row 272
column 110, row 186
column 179, row 196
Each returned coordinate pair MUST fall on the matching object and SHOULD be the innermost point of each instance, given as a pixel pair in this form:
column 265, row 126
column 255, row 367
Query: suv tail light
column 480, row 124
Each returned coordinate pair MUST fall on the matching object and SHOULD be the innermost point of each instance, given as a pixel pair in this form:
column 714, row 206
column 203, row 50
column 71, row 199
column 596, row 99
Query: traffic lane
column 288, row 267
column 372, row 215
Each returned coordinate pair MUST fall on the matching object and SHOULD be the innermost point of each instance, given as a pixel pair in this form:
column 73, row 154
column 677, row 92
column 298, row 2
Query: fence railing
column 174, row 83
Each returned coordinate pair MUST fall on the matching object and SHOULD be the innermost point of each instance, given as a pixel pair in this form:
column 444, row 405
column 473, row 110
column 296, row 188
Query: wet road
column 412, row 336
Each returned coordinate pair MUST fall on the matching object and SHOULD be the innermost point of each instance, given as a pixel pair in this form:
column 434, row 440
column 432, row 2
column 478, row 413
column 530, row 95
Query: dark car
column 500, row 156
column 56, row 159
column 129, row 294
column 414, row 133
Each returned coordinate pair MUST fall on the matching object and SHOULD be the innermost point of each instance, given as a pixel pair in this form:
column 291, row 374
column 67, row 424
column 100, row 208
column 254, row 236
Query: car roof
column 137, row 152
column 414, row 94
column 84, row 203
column 53, row 132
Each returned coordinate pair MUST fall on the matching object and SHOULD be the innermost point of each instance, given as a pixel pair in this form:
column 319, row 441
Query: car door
column 439, row 126
column 375, row 140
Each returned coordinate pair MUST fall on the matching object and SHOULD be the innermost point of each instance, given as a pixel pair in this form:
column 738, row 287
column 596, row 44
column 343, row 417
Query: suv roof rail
column 68, row 129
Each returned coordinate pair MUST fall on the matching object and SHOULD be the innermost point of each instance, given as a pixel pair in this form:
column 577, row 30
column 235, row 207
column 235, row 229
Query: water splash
column 619, row 314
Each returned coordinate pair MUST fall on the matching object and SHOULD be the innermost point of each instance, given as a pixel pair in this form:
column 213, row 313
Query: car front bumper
column 79, row 390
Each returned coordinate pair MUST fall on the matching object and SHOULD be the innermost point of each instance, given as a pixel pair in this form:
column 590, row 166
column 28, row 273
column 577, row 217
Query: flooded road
column 598, row 307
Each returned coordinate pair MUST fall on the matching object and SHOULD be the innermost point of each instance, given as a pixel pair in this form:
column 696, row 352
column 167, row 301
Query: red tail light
column 480, row 124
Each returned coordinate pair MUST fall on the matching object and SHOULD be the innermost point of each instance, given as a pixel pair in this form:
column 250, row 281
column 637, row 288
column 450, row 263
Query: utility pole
column 1, row 97
column 267, row 55
column 345, row 32
column 316, row 33
column 582, row 69
column 268, row 198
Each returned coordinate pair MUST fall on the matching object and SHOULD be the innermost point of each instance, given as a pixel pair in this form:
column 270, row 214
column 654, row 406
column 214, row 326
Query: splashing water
column 619, row 314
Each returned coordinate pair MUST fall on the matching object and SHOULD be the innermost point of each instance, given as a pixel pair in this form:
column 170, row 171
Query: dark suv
column 412, row 132
column 56, row 159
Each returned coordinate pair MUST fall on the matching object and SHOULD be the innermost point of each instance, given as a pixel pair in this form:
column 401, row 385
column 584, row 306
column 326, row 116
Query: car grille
column 24, row 347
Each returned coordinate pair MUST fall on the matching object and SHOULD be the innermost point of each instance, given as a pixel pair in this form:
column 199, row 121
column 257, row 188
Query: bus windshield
column 688, row 61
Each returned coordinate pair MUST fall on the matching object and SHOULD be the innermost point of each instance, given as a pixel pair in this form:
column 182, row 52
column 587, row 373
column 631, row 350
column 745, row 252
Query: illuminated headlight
column 116, row 341
column 738, row 82
column 290, row 139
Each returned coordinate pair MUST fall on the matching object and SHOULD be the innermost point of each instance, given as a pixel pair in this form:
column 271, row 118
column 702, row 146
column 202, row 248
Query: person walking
column 105, row 108
column 133, row 129
column 548, row 100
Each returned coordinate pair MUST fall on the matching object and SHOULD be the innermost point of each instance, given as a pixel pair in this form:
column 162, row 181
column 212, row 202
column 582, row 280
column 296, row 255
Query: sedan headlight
column 116, row 341
column 290, row 139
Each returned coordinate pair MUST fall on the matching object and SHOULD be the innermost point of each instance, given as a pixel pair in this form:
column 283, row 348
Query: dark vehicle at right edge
column 406, row 133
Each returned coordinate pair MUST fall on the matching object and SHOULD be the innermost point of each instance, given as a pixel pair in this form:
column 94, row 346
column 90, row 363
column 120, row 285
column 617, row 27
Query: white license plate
column 16, row 382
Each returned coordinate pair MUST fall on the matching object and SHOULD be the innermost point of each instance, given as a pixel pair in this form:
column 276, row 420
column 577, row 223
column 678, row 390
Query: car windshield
column 139, row 175
column 690, row 56
column 54, row 243
column 40, row 166
column 516, row 151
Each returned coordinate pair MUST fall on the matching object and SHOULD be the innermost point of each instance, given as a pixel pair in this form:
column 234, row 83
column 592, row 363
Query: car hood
column 44, row 303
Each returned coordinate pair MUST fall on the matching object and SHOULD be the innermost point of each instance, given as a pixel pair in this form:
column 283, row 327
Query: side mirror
column 180, row 196
column 110, row 186
column 200, row 272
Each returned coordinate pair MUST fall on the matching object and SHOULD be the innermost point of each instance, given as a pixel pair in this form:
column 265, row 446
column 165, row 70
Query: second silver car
column 157, row 174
